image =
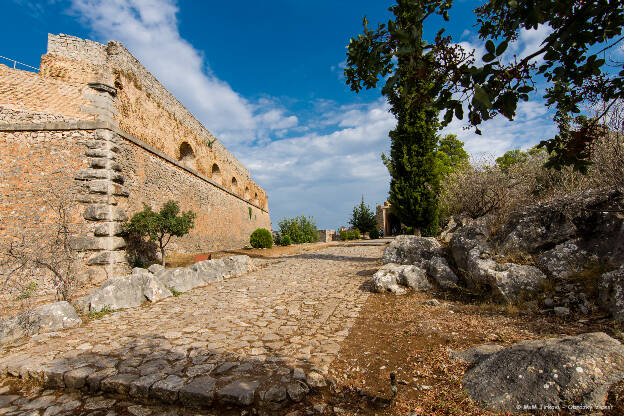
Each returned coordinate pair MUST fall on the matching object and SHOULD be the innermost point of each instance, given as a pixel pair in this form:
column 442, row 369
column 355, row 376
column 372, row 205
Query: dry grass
column 411, row 339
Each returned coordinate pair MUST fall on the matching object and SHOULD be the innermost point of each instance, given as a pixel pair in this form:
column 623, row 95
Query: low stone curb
column 202, row 391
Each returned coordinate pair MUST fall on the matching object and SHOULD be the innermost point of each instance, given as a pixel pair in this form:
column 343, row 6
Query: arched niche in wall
column 215, row 173
column 187, row 155
column 234, row 184
column 255, row 198
column 247, row 193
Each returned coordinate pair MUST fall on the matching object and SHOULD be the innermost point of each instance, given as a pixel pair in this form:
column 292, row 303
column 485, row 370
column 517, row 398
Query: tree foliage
column 363, row 218
column 397, row 51
column 572, row 60
column 162, row 225
column 300, row 229
column 450, row 155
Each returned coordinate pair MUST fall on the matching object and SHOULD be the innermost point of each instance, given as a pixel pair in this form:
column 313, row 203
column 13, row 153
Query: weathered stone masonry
column 97, row 127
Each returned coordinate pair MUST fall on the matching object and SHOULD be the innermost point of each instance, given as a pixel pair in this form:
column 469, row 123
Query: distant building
column 386, row 220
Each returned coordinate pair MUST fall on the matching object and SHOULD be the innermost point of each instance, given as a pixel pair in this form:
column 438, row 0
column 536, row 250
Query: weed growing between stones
column 175, row 292
column 101, row 313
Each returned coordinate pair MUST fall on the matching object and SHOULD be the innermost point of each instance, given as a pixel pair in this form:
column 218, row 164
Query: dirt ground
column 406, row 336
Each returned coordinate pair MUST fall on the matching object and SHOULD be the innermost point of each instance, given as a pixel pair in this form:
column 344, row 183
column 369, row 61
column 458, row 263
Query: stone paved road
column 262, row 339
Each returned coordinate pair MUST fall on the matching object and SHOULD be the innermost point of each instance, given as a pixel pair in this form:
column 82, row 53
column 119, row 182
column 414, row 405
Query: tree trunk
column 162, row 255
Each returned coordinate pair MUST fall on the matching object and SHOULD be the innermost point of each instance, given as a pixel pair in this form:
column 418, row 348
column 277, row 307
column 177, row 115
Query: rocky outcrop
column 564, row 260
column 552, row 372
column 472, row 254
column 396, row 278
column 611, row 293
column 410, row 249
column 586, row 217
column 46, row 318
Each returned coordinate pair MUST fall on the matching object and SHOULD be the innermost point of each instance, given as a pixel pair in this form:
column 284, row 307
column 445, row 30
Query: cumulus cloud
column 149, row 29
column 325, row 174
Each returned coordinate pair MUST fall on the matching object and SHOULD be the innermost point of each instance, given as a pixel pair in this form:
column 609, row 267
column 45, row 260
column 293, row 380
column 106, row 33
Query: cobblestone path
column 261, row 340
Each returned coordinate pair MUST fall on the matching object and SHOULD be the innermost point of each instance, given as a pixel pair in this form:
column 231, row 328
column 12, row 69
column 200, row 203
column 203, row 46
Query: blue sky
column 266, row 78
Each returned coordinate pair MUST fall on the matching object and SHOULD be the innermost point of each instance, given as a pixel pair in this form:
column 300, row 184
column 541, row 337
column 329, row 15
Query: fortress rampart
column 94, row 127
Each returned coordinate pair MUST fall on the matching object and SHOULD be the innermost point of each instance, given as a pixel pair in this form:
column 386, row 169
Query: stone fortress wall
column 95, row 127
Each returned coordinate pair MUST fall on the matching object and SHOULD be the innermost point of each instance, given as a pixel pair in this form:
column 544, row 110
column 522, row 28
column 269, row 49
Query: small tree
column 161, row 226
column 363, row 218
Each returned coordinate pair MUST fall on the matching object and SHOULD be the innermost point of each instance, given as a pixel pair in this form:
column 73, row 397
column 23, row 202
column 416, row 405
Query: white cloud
column 149, row 29
column 331, row 171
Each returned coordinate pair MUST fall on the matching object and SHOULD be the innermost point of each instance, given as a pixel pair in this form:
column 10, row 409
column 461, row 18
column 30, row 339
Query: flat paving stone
column 240, row 392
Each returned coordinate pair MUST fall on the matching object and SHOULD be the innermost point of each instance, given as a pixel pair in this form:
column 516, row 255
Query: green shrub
column 356, row 234
column 374, row 235
column 261, row 238
column 286, row 240
column 344, row 235
column 300, row 229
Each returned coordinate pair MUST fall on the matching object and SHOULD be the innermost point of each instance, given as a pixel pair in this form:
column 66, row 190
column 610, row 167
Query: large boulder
column 223, row 268
column 125, row 292
column 396, row 277
column 239, row 265
column 180, row 279
column 611, row 293
column 410, row 249
column 564, row 260
column 468, row 244
column 507, row 282
column 441, row 273
column 211, row 270
column 46, row 318
column 550, row 373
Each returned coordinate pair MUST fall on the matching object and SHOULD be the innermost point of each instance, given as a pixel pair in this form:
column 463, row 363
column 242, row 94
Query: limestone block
column 87, row 243
column 102, row 212
column 107, row 257
column 100, row 152
column 199, row 392
column 46, row 318
column 240, row 392
column 89, row 173
column 167, row 389
column 111, row 228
